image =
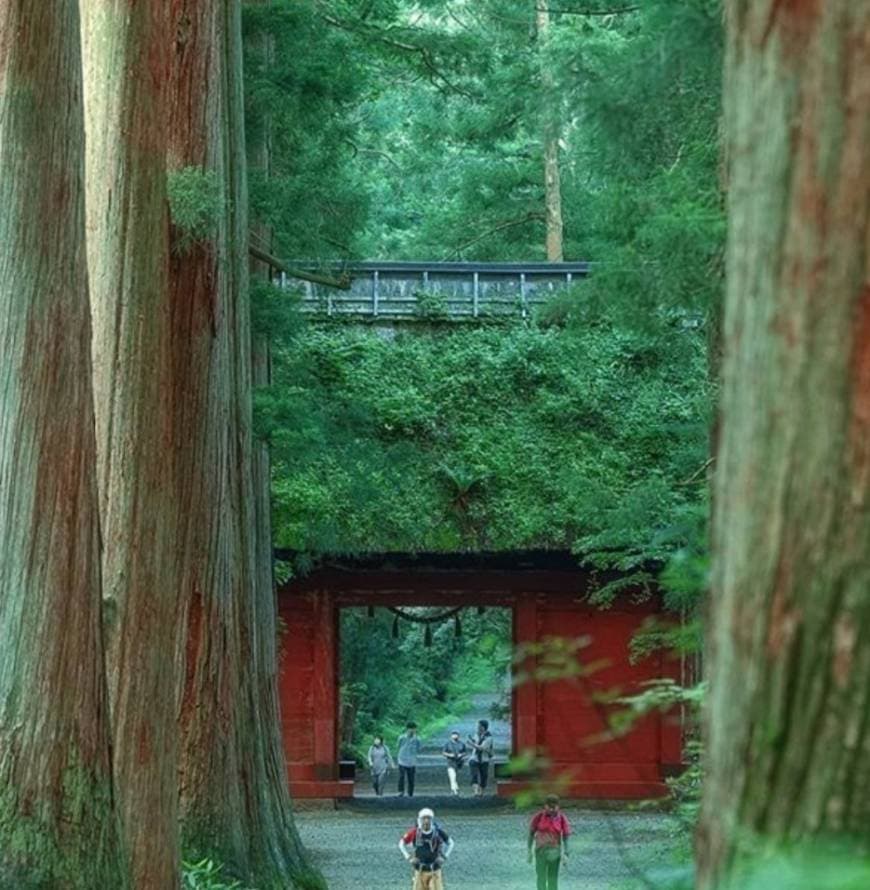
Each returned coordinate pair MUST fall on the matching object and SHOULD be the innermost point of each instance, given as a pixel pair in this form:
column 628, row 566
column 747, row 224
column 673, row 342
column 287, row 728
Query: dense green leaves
column 488, row 438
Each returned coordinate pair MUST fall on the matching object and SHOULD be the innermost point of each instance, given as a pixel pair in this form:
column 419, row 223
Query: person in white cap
column 427, row 847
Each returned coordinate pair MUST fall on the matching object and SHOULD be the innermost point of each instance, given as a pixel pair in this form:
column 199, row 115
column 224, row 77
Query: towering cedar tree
column 789, row 643
column 230, row 776
column 126, row 63
column 58, row 827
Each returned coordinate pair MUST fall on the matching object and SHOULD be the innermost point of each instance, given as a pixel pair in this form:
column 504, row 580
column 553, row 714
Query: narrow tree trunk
column 58, row 827
column 550, row 139
column 230, row 772
column 789, row 643
column 275, row 817
column 126, row 52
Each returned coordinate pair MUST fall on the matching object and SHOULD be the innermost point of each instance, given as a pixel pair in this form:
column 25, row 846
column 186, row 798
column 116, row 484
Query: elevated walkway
column 431, row 291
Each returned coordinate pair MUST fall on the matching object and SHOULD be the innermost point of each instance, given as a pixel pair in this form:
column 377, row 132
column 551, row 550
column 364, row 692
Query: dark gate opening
column 442, row 667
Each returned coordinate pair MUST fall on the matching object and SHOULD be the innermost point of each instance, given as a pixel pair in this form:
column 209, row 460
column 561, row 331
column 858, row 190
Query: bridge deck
column 426, row 291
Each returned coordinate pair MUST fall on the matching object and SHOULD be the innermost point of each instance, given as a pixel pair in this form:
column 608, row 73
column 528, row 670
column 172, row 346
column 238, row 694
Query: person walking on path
column 454, row 752
column 430, row 847
column 481, row 755
column 548, row 838
column 380, row 760
column 407, row 751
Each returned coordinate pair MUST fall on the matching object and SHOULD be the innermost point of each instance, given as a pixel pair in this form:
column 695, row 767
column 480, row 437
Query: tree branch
column 342, row 283
column 618, row 11
column 533, row 216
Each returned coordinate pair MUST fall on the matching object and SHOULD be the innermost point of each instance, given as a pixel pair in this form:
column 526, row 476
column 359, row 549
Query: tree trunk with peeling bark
column 126, row 55
column 229, row 779
column 58, row 826
column 550, row 141
column 789, row 642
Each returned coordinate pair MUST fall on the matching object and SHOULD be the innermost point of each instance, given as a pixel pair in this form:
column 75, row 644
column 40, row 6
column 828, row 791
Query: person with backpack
column 548, row 838
column 380, row 760
column 454, row 752
column 427, row 847
column 481, row 755
column 407, row 751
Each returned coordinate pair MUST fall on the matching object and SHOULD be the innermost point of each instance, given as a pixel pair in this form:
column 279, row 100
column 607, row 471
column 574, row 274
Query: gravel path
column 610, row 851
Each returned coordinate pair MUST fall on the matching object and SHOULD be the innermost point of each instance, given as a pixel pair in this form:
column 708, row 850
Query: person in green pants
column 548, row 842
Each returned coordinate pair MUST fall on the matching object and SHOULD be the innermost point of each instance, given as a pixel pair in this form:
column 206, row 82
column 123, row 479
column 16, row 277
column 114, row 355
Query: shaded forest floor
column 610, row 851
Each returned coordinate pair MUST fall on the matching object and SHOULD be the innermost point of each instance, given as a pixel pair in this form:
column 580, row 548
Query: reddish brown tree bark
column 233, row 797
column 789, row 643
column 126, row 53
column 58, row 826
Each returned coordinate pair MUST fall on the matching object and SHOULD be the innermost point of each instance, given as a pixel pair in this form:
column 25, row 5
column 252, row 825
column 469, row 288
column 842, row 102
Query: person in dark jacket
column 454, row 752
column 481, row 755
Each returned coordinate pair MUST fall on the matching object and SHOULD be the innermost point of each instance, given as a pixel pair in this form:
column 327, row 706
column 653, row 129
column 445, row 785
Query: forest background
column 138, row 635
column 420, row 131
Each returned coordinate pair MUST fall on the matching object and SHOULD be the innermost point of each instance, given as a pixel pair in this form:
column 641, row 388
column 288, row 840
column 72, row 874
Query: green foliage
column 304, row 80
column 516, row 437
column 196, row 202
column 207, row 875
column 385, row 682
column 430, row 306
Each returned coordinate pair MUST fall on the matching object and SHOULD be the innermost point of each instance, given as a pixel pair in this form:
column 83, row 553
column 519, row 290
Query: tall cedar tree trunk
column 550, row 139
column 789, row 642
column 228, row 781
column 126, row 55
column 273, row 806
column 58, row 827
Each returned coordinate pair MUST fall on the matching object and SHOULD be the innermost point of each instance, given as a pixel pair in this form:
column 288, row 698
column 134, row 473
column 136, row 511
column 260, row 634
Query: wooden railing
column 433, row 291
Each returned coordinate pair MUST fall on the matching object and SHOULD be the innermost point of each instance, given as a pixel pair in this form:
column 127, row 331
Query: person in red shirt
column 548, row 838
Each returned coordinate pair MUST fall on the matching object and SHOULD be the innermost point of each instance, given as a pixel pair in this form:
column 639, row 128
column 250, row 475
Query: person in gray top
column 380, row 760
column 481, row 754
column 407, row 751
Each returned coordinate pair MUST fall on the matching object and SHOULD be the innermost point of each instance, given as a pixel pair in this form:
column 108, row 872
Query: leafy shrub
column 207, row 875
column 196, row 202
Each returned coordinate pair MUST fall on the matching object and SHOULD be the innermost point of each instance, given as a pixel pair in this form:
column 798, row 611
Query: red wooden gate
column 564, row 720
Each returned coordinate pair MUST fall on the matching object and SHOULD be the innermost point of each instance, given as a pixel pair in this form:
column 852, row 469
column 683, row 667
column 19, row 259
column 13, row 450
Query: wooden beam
column 342, row 283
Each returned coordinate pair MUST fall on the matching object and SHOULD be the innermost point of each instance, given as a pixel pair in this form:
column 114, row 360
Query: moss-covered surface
column 66, row 836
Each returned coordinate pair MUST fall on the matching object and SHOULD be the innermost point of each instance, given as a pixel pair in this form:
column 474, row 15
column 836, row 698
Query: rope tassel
column 371, row 611
column 396, row 628
column 427, row 638
column 457, row 627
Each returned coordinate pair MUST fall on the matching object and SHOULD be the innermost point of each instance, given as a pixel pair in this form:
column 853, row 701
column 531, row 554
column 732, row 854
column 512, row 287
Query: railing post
column 523, row 294
column 283, row 281
column 375, row 293
column 568, row 278
column 475, row 295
